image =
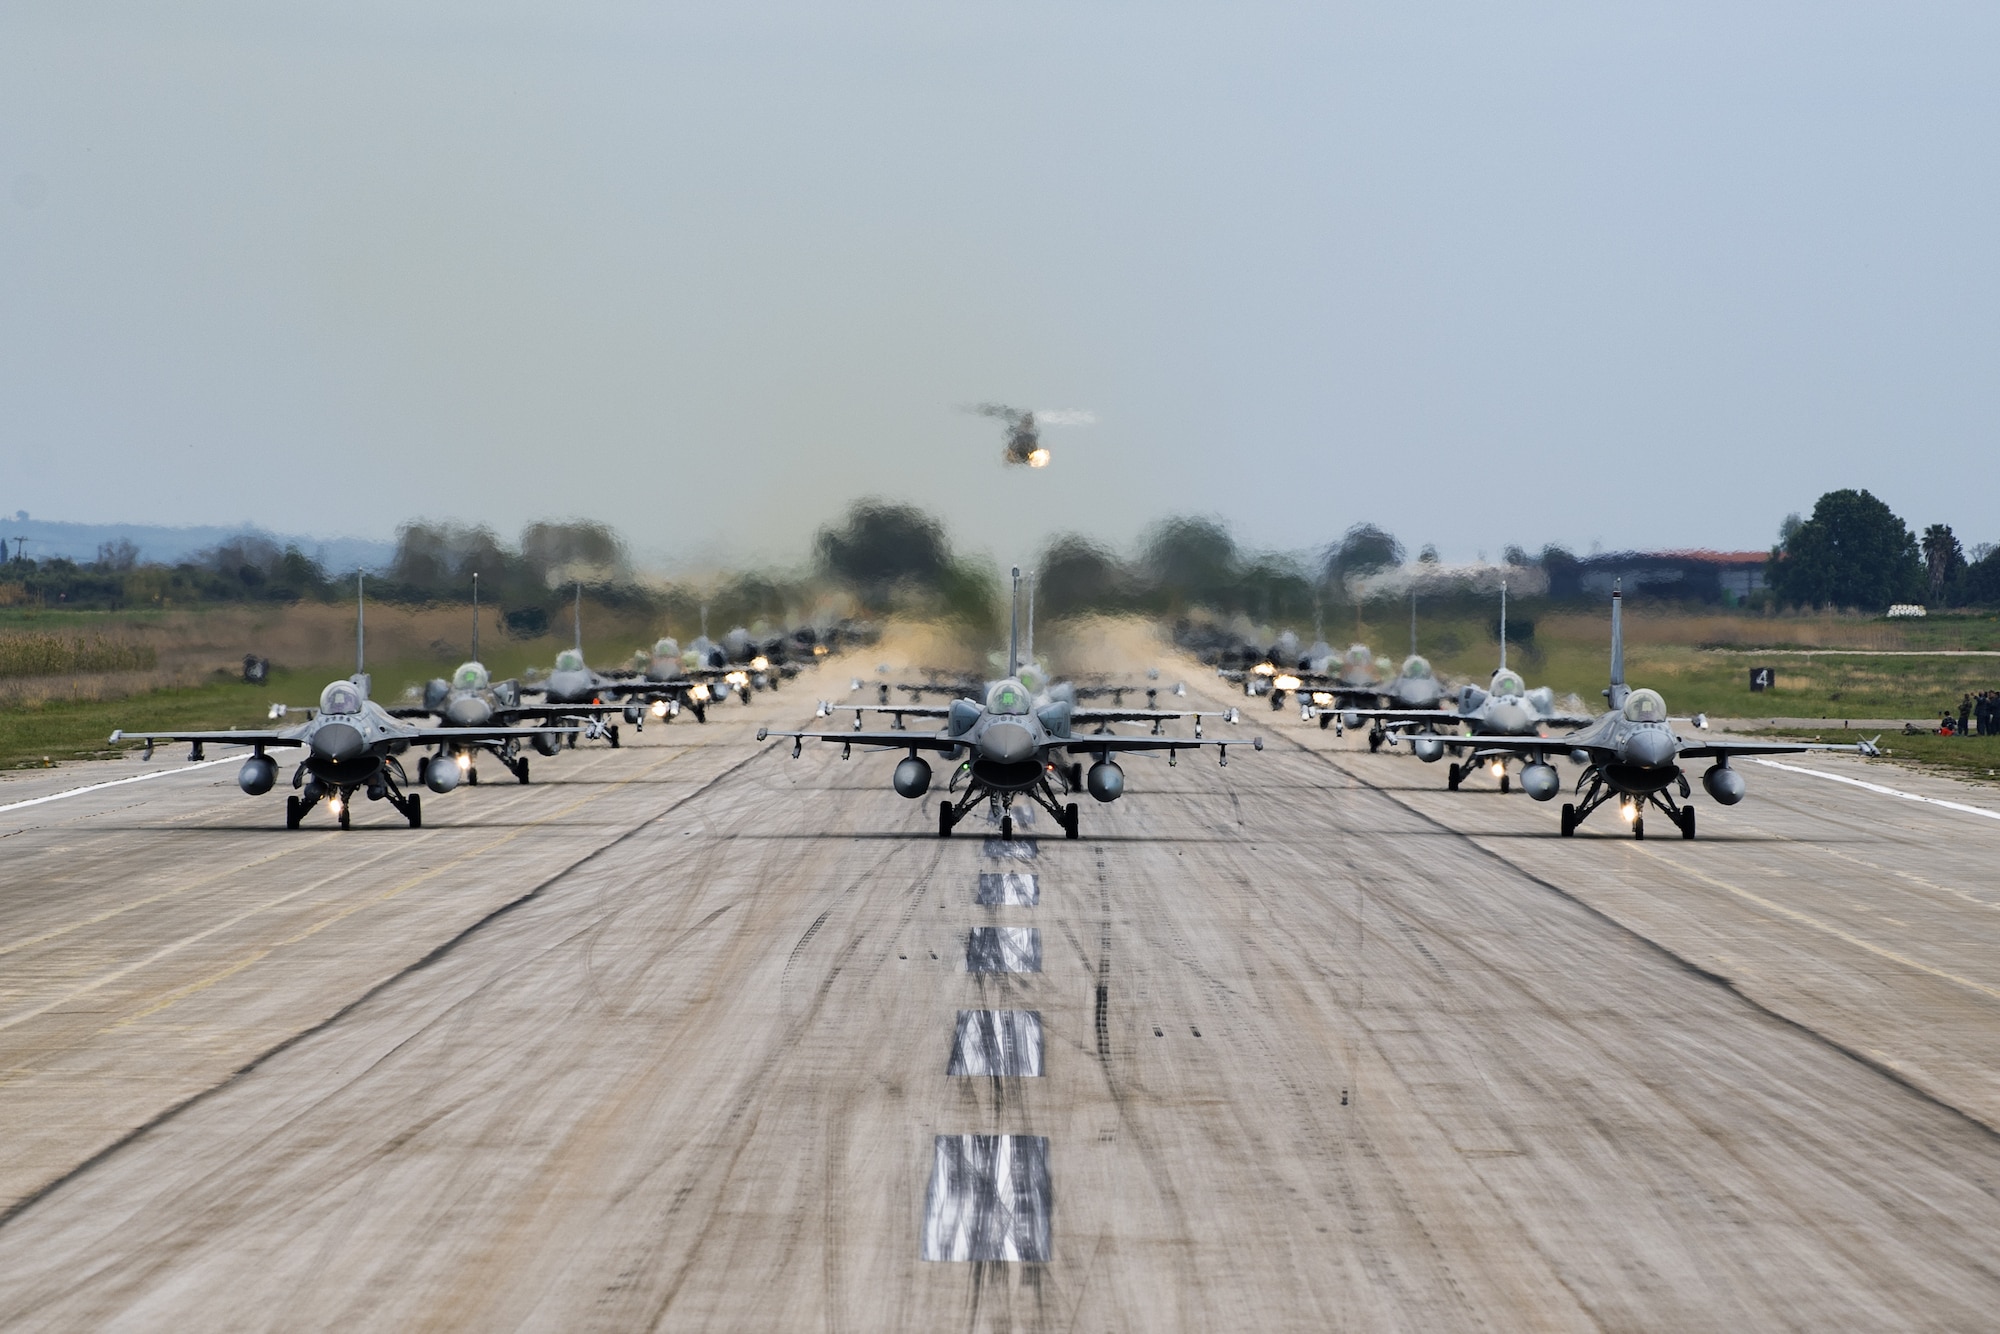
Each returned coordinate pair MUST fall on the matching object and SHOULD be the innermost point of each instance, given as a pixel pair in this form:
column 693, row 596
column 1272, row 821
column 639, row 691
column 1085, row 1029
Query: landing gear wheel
column 1007, row 826
column 945, row 822
column 472, row 777
column 1639, row 827
column 1374, row 741
column 1076, row 776
column 1451, row 778
column 423, row 768
column 522, row 772
column 295, row 811
column 346, row 813
column 613, row 731
column 1069, row 821
column 413, row 808
column 1325, row 721
column 1687, row 823
column 1569, row 820
column 1505, row 783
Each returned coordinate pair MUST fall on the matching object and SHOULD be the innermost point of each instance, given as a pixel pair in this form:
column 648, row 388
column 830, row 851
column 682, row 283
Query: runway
column 664, row 1040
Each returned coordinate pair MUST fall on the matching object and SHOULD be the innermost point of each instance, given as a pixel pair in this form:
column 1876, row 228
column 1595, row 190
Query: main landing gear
column 1662, row 800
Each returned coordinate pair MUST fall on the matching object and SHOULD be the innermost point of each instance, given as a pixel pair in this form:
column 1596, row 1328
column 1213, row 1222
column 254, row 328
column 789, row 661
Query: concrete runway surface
column 1306, row 1043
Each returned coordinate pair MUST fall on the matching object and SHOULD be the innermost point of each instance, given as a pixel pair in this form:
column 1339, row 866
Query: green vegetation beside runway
column 1973, row 758
column 1702, row 662
column 38, row 733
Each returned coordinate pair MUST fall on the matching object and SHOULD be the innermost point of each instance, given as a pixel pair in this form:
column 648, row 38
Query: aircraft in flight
column 1007, row 748
column 351, row 744
column 1633, row 756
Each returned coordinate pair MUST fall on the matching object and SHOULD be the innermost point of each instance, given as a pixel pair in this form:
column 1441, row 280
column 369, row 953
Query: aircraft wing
column 1106, row 743
column 211, row 738
column 1722, row 750
column 432, row 736
column 547, row 711
column 883, row 740
column 1414, row 716
column 1148, row 715
column 900, row 711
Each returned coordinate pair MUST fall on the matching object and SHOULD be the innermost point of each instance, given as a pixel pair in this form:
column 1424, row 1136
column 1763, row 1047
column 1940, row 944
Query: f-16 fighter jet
column 351, row 744
column 1505, row 708
column 472, row 698
column 1632, row 755
column 1007, row 748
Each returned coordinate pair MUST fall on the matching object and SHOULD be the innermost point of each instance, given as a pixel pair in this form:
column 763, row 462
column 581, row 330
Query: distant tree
column 557, row 552
column 1852, row 552
column 881, row 545
column 117, row 557
column 1980, row 583
column 1191, row 561
column 1516, row 555
column 1429, row 555
column 1076, row 575
column 1944, row 561
column 1361, row 550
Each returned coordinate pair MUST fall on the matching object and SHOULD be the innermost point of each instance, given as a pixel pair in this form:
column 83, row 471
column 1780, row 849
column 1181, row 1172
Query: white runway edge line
column 1875, row 787
column 117, row 782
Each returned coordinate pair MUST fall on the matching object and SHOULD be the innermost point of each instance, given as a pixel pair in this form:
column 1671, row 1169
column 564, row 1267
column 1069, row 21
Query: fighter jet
column 1506, row 707
column 352, row 744
column 472, row 698
column 1633, row 755
column 1007, row 748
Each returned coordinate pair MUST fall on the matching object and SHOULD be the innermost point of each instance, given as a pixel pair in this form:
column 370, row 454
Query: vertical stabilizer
column 1028, row 629
column 577, row 616
column 475, row 616
column 1503, row 625
column 360, row 676
column 1413, row 622
column 1617, row 691
column 1014, row 629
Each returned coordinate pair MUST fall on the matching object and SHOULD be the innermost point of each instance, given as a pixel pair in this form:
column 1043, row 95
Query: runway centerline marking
column 1806, row 919
column 121, row 782
column 1885, row 791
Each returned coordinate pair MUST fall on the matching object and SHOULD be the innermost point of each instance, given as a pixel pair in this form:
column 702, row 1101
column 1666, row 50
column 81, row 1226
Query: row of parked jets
column 352, row 746
column 1630, row 756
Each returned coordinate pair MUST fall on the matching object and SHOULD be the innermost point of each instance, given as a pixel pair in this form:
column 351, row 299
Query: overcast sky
column 1484, row 273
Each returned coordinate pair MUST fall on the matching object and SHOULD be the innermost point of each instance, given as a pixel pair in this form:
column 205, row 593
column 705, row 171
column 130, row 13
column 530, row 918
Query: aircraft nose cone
column 1509, row 718
column 1652, row 748
column 338, row 741
column 469, row 711
column 1006, row 743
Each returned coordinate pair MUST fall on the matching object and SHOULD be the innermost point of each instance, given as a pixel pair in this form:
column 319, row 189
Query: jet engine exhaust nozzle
column 258, row 775
column 1105, row 780
column 912, row 778
column 1541, row 781
column 1724, row 784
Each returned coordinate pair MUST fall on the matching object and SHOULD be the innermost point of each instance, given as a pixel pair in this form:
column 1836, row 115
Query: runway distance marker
column 997, row 1043
column 1885, row 791
column 1003, row 949
column 1008, row 889
column 119, row 782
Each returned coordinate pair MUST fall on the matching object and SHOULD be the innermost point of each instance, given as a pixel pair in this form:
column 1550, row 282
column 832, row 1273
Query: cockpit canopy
column 1416, row 666
column 569, row 660
column 1506, row 683
column 1008, row 696
column 342, row 697
column 668, row 648
column 470, row 676
column 1645, row 706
